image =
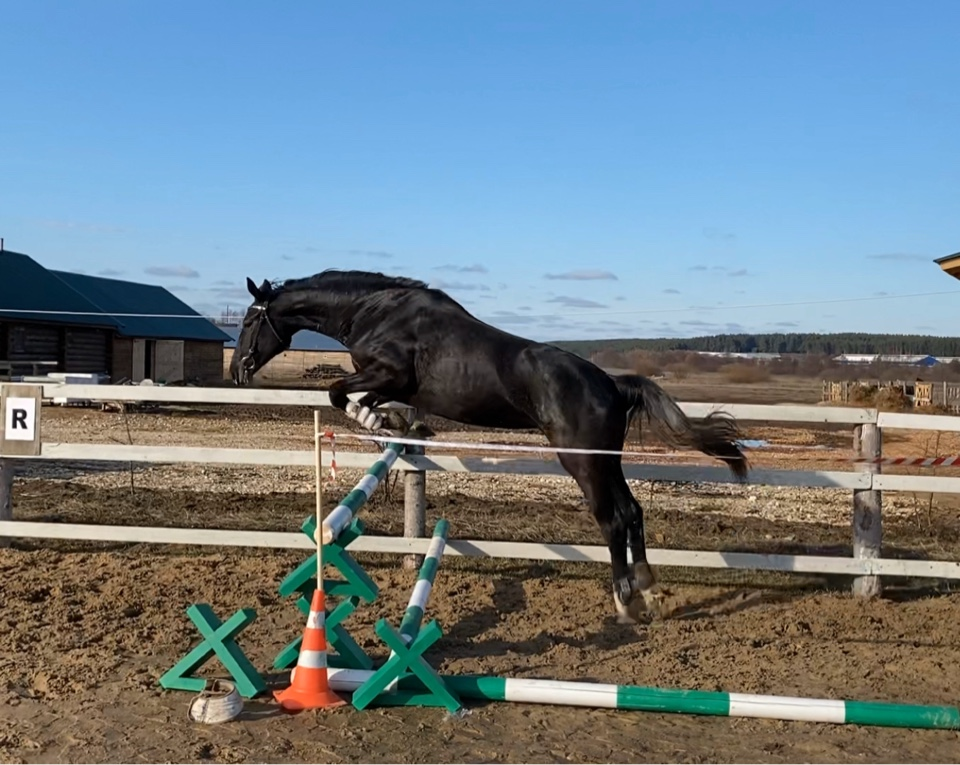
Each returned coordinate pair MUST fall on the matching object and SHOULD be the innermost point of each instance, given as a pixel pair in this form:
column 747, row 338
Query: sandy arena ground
column 90, row 628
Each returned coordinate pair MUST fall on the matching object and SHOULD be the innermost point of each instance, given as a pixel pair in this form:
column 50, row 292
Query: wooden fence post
column 414, row 504
column 867, row 509
column 6, row 496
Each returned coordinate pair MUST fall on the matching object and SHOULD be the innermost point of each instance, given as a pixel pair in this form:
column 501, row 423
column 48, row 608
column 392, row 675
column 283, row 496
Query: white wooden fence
column 867, row 482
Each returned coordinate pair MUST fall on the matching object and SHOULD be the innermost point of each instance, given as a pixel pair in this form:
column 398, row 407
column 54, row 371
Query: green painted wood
column 407, row 661
column 356, row 586
column 717, row 703
column 902, row 715
column 475, row 686
column 355, row 583
column 673, row 700
column 413, row 615
column 357, row 497
column 219, row 639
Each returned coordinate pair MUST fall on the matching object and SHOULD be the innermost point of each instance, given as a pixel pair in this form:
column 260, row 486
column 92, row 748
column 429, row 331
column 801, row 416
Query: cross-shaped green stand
column 407, row 666
column 218, row 638
column 345, row 652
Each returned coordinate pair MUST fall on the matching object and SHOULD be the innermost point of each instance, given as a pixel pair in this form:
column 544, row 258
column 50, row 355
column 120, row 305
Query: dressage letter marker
column 20, row 406
column 21, row 419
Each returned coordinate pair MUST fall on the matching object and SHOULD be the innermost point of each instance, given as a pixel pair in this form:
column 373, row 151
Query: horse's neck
column 319, row 312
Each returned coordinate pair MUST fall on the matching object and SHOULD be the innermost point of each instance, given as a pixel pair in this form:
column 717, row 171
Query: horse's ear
column 253, row 290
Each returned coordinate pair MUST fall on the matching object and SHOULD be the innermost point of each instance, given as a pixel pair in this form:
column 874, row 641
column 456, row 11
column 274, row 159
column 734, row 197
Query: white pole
column 317, row 435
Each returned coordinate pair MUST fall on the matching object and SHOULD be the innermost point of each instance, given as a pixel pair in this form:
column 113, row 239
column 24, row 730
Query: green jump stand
column 355, row 587
column 418, row 683
column 219, row 640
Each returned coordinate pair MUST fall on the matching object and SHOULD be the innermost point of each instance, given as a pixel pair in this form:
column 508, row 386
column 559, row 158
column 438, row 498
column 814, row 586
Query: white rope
column 480, row 446
column 507, row 447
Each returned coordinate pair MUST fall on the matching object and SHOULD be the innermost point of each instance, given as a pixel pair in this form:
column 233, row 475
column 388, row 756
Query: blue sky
column 565, row 169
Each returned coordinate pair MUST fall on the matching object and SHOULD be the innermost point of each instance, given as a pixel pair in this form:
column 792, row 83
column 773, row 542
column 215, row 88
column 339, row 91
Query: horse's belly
column 489, row 413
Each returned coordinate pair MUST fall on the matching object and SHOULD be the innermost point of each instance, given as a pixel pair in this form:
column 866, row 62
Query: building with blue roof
column 67, row 322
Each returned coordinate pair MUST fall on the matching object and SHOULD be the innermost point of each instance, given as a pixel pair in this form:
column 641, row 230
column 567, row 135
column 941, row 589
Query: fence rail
column 809, row 564
column 838, row 479
column 320, row 398
column 865, row 481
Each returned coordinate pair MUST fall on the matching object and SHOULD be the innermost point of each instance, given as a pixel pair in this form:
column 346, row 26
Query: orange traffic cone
column 309, row 685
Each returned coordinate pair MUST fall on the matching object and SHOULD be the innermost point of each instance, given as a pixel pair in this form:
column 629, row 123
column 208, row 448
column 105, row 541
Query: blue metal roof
column 165, row 316
column 43, row 297
column 30, row 292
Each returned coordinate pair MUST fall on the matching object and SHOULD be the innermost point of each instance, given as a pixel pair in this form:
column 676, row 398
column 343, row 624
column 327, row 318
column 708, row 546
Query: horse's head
column 263, row 335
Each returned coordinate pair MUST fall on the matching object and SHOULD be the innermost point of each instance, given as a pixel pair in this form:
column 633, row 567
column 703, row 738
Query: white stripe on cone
column 312, row 659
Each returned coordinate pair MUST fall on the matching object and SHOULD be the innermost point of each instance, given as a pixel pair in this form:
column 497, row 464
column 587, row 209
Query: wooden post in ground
column 867, row 510
column 19, row 436
column 6, row 496
column 414, row 503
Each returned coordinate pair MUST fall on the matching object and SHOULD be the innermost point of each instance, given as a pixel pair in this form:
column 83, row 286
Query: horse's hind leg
column 644, row 579
column 596, row 476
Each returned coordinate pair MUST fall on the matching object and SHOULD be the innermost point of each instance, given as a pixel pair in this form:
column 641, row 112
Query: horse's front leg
column 376, row 382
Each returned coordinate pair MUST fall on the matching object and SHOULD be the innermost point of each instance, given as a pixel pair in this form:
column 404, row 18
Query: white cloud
column 184, row 272
column 584, row 275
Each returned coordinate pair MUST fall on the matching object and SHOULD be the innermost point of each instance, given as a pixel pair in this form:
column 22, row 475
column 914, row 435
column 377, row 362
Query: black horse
column 415, row 345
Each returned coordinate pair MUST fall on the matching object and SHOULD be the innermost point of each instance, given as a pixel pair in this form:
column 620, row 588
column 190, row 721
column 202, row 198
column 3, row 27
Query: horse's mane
column 349, row 281
column 346, row 286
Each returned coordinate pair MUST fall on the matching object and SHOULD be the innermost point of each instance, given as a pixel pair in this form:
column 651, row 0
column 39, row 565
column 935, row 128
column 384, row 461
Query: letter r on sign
column 20, row 422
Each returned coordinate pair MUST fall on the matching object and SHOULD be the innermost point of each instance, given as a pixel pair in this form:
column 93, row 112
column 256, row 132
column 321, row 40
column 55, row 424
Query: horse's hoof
column 421, row 430
column 395, row 423
column 655, row 599
column 630, row 612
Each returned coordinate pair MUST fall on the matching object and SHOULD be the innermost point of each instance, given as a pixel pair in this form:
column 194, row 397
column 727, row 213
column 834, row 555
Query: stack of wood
column 324, row 371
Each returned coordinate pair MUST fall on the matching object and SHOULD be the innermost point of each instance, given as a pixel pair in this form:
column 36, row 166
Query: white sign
column 20, row 420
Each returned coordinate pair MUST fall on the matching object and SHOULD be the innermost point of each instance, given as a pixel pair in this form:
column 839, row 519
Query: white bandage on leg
column 363, row 415
column 369, row 420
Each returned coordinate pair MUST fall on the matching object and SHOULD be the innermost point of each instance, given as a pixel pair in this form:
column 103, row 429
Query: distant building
column 950, row 264
column 58, row 321
column 916, row 360
column 752, row 356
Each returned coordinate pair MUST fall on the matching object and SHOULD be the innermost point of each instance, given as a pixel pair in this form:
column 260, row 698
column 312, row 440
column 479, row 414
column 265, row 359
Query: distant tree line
column 777, row 342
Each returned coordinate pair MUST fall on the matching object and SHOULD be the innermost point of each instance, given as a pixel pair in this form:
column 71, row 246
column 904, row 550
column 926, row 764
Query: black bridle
column 262, row 317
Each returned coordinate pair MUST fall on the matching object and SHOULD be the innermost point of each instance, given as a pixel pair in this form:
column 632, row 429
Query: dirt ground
column 89, row 628
column 88, row 634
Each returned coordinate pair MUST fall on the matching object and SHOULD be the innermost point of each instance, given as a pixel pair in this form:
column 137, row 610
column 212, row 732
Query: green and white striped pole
column 677, row 701
column 413, row 616
column 342, row 515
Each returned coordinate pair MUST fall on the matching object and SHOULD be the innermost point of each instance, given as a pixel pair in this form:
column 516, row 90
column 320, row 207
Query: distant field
column 699, row 386
column 715, row 387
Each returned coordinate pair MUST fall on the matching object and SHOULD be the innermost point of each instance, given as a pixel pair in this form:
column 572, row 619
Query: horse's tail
column 716, row 435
